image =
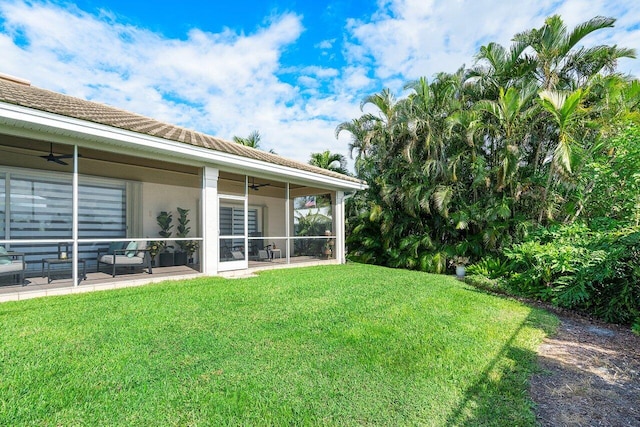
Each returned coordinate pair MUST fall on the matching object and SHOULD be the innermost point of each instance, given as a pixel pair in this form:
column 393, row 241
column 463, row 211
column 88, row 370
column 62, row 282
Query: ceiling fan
column 255, row 186
column 57, row 158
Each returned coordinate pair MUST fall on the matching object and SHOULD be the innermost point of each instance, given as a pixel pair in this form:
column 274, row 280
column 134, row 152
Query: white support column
column 287, row 219
column 210, row 214
column 246, row 218
column 340, row 227
column 74, row 223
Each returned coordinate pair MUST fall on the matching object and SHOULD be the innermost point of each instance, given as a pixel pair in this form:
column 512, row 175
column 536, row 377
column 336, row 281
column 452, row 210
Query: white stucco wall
column 274, row 215
column 160, row 197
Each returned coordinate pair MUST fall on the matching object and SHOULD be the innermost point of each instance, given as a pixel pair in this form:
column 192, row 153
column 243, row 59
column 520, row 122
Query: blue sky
column 291, row 69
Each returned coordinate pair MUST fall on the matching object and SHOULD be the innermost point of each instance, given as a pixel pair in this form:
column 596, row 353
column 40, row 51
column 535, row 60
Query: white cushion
column 122, row 259
column 15, row 266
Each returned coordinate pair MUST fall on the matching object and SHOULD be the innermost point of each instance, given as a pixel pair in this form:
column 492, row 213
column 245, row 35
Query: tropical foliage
column 471, row 162
column 253, row 141
column 575, row 267
column 331, row 161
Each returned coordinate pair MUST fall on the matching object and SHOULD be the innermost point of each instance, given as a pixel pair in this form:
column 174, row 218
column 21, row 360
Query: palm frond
column 582, row 30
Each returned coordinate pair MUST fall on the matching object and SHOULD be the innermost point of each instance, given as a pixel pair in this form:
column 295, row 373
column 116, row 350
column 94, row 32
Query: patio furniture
column 12, row 264
column 268, row 253
column 263, row 255
column 275, row 252
column 133, row 255
column 58, row 261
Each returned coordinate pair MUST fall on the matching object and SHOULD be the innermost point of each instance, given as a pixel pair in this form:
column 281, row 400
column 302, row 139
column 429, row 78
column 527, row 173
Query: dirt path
column 590, row 376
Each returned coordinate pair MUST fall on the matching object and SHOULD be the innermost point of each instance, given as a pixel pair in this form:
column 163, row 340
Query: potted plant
column 190, row 247
column 181, row 256
column 460, row 263
column 154, row 247
column 327, row 249
column 164, row 220
column 328, row 245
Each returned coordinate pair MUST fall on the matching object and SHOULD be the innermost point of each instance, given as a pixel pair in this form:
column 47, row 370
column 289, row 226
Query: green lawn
column 333, row 345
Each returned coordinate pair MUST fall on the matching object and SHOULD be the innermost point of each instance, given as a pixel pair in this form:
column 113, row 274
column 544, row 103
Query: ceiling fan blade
column 60, row 162
column 257, row 186
column 65, row 156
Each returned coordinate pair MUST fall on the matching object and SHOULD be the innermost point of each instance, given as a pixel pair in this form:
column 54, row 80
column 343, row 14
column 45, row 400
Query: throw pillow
column 4, row 257
column 132, row 248
column 115, row 245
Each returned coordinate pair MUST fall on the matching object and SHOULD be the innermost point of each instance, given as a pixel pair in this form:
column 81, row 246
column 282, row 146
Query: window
column 232, row 221
column 40, row 208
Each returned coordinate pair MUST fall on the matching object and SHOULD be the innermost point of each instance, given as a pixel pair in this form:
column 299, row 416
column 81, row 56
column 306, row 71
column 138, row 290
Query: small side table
column 51, row 261
column 276, row 251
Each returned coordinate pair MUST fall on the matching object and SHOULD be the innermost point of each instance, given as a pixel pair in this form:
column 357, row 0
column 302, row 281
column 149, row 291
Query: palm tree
column 558, row 64
column 253, row 140
column 510, row 118
column 331, row 161
column 564, row 109
column 467, row 161
column 498, row 67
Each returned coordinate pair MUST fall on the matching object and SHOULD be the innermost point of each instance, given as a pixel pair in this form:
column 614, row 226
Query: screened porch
column 48, row 213
column 265, row 221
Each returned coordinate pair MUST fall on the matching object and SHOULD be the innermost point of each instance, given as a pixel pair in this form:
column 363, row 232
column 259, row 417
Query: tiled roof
column 40, row 99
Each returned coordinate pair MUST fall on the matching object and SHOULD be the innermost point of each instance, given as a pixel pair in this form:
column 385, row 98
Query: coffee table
column 53, row 261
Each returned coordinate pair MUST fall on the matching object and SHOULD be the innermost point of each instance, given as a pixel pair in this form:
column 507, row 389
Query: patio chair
column 135, row 254
column 12, row 264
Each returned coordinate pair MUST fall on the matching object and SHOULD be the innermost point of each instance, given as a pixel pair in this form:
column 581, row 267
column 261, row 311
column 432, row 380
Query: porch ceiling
column 234, row 184
column 25, row 153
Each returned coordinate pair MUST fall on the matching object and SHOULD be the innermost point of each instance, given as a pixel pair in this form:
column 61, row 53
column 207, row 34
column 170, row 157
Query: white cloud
column 413, row 38
column 320, row 72
column 230, row 83
column 325, row 44
column 223, row 83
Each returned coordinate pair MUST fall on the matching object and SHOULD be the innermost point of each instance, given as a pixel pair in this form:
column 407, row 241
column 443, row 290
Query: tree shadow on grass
column 499, row 395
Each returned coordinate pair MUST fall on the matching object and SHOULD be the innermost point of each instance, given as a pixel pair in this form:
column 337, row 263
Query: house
column 85, row 175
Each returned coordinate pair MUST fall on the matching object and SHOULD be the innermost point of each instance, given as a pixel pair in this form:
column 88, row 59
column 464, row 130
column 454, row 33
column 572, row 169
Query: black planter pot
column 180, row 258
column 166, row 259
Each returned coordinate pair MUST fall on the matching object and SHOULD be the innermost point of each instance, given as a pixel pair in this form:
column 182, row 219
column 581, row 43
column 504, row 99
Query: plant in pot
column 155, row 247
column 327, row 249
column 190, row 247
column 460, row 263
column 182, row 255
column 164, row 220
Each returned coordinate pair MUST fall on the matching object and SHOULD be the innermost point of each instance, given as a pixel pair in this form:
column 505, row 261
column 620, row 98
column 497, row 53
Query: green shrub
column 597, row 272
column 490, row 267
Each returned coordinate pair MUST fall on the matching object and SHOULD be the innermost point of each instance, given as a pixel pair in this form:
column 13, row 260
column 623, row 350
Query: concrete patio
column 37, row 287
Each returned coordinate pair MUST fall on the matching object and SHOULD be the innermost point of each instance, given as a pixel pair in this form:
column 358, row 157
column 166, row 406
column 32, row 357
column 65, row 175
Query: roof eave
column 24, row 121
